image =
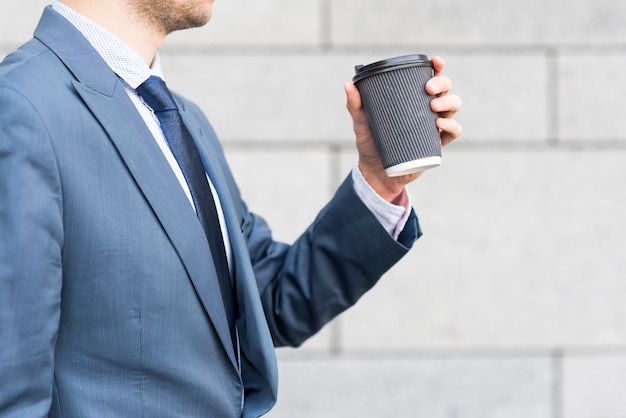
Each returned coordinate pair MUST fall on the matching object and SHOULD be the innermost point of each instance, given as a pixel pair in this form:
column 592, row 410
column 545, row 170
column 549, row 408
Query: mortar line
column 325, row 28
column 324, row 45
column 557, row 383
column 552, row 98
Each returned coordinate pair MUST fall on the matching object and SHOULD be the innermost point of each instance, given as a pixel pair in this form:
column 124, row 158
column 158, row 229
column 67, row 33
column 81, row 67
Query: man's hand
column 446, row 105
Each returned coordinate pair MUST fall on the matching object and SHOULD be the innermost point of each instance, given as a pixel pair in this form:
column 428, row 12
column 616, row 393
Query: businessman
column 134, row 281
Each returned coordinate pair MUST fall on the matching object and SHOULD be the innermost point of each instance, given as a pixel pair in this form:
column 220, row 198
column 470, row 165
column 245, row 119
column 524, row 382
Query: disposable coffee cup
column 398, row 109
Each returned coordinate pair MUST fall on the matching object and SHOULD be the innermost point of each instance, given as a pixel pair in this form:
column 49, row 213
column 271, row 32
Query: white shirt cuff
column 392, row 217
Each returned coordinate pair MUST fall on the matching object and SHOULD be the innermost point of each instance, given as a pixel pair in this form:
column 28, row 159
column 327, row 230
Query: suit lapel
column 105, row 96
column 259, row 368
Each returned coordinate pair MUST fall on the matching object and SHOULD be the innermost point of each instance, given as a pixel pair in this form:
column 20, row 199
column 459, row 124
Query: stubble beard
column 171, row 15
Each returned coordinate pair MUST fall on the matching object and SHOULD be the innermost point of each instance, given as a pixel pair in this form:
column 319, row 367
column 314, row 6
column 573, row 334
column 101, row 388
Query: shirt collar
column 120, row 57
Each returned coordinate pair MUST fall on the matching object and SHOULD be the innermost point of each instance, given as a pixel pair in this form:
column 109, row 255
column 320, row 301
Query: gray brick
column 591, row 89
column 272, row 183
column 593, row 385
column 415, row 388
column 505, row 96
column 268, row 97
column 521, row 249
column 244, row 22
column 491, row 22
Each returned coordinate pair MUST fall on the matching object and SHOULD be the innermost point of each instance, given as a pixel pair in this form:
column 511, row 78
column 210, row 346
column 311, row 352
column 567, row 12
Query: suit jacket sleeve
column 31, row 241
column 338, row 258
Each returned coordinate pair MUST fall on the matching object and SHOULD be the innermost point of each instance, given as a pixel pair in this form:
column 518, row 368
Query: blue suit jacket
column 109, row 304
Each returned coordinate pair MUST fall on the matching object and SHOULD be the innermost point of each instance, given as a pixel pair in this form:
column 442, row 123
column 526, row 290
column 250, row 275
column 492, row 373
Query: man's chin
column 195, row 21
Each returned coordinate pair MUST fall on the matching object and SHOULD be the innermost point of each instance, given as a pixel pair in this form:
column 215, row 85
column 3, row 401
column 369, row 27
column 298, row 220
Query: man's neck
column 116, row 17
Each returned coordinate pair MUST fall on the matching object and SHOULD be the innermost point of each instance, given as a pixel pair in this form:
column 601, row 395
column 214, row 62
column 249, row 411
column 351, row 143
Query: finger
column 446, row 105
column 355, row 108
column 438, row 64
column 438, row 85
column 353, row 97
column 450, row 130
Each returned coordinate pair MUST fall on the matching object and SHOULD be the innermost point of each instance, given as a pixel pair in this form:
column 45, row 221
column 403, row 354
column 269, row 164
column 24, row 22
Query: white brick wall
column 511, row 305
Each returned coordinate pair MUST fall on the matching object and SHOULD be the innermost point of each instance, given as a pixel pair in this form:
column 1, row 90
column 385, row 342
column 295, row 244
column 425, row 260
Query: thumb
column 353, row 97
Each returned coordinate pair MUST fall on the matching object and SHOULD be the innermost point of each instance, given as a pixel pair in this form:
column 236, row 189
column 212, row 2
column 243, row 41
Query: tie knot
column 156, row 94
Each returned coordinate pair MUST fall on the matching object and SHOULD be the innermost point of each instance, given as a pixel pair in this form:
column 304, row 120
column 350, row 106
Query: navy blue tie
column 156, row 94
